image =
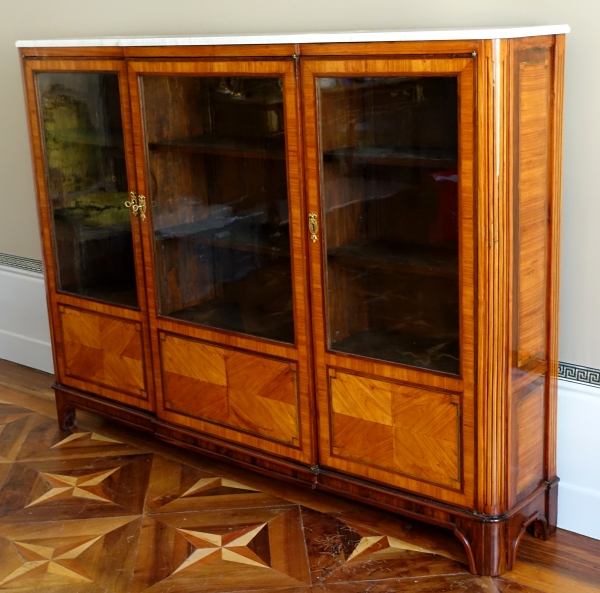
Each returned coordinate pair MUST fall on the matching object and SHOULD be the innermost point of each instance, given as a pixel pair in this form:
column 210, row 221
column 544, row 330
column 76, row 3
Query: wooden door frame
column 56, row 298
column 298, row 353
column 464, row 386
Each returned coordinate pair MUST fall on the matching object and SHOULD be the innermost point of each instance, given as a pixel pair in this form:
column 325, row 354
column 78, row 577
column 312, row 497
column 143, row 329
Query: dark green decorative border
column 22, row 263
column 566, row 370
column 579, row 374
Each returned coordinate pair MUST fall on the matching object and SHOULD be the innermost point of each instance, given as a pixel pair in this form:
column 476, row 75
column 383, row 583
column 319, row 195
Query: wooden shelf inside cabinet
column 441, row 354
column 392, row 156
column 398, row 257
column 267, row 241
column 270, row 149
column 228, row 316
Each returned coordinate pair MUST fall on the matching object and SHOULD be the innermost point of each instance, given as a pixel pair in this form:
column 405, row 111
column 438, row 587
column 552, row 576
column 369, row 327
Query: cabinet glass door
column 86, row 176
column 219, row 143
column 219, row 198
column 389, row 192
column 390, row 153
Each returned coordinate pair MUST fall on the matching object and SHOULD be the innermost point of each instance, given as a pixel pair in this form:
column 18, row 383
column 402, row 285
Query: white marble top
column 335, row 37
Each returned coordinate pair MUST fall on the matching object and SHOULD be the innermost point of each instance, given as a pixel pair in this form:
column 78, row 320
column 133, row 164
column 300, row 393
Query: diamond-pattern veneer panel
column 405, row 429
column 232, row 388
column 103, row 350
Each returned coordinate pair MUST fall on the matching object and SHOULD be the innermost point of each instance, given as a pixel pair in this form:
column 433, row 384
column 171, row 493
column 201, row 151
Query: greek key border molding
column 22, row 263
column 579, row 374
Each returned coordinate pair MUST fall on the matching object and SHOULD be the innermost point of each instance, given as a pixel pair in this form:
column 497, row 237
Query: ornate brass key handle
column 313, row 227
column 137, row 204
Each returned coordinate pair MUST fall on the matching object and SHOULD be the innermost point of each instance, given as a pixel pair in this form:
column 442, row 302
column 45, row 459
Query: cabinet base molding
column 490, row 541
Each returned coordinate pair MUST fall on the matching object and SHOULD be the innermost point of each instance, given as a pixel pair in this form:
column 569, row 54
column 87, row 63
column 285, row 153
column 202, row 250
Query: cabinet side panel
column 530, row 444
column 532, row 154
column 555, row 208
column 531, row 207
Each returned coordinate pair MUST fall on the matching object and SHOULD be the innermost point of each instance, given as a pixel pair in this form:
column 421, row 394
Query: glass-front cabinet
column 325, row 259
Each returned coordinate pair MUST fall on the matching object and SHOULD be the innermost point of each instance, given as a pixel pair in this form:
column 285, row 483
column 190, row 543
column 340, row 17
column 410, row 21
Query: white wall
column 580, row 315
column 579, row 458
column 24, row 327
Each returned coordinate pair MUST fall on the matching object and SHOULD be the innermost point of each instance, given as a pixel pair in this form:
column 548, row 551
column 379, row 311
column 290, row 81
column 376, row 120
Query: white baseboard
column 24, row 326
column 579, row 458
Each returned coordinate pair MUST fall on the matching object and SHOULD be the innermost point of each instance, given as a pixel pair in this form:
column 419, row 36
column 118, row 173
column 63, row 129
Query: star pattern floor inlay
column 86, row 486
column 82, row 512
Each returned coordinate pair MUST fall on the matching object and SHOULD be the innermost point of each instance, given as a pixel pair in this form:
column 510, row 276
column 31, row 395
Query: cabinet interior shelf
column 392, row 156
column 263, row 240
column 399, row 257
column 229, row 316
column 125, row 295
column 268, row 149
column 439, row 354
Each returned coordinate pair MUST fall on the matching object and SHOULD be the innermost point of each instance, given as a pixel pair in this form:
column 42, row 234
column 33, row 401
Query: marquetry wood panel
column 210, row 51
column 534, row 202
column 531, row 207
column 407, row 430
column 103, row 350
column 493, row 272
column 388, row 48
column 530, row 438
column 240, row 390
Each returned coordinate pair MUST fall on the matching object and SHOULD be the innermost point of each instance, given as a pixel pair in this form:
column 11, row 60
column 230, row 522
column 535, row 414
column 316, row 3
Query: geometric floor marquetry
column 102, row 510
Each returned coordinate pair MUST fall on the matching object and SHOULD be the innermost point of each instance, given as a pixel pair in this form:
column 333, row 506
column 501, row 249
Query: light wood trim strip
column 71, row 52
column 493, row 276
column 389, row 48
column 210, row 51
column 554, row 255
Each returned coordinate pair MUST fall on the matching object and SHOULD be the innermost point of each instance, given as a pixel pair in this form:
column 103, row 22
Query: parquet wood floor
column 104, row 509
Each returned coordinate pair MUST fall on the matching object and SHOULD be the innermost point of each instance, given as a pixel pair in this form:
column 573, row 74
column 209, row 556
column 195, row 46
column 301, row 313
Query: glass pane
column 218, row 185
column 87, row 182
column 390, row 194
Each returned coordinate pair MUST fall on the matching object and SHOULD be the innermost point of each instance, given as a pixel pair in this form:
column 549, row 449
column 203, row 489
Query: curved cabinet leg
column 485, row 543
column 491, row 543
column 65, row 411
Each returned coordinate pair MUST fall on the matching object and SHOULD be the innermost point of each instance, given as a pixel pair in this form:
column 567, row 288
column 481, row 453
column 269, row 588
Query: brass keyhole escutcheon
column 313, row 227
column 137, row 204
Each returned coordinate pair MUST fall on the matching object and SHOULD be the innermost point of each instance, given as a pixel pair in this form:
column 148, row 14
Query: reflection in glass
column 216, row 153
column 390, row 201
column 87, row 183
